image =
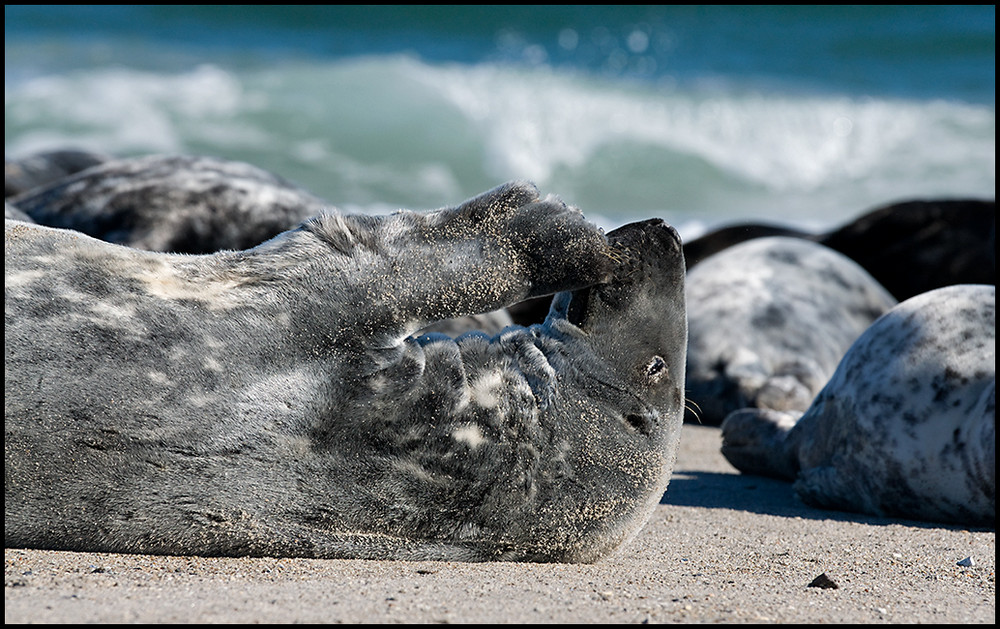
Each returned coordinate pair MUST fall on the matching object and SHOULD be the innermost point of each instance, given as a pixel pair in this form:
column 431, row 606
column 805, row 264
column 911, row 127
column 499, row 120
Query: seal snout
column 667, row 233
column 662, row 230
column 669, row 238
column 654, row 241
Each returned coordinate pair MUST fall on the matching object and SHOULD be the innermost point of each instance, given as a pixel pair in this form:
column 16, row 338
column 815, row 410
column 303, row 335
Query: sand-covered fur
column 273, row 401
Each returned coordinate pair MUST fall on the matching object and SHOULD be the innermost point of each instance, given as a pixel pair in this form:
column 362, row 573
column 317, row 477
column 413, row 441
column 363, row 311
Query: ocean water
column 701, row 115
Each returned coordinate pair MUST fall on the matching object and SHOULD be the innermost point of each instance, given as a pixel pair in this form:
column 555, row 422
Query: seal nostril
column 640, row 423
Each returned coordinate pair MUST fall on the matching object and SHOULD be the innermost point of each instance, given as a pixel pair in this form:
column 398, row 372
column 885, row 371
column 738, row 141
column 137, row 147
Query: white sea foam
column 372, row 133
column 539, row 123
column 118, row 110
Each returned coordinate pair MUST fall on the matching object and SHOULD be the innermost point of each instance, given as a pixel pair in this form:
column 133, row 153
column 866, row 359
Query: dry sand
column 722, row 547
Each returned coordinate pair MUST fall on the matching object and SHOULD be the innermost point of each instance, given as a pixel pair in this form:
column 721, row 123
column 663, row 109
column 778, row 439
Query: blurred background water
column 700, row 115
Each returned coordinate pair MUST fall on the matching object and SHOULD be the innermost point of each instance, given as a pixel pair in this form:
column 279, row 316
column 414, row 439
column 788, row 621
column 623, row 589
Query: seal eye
column 656, row 368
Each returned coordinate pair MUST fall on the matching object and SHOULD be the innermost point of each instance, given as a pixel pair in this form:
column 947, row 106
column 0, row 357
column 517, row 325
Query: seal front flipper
column 492, row 251
column 546, row 242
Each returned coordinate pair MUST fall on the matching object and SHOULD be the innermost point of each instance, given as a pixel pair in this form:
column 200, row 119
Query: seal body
column 770, row 319
column 275, row 401
column 916, row 246
column 175, row 203
column 906, row 427
column 909, row 247
column 44, row 167
column 14, row 214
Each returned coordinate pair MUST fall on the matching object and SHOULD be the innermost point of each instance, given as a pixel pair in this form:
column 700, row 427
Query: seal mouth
column 642, row 423
column 579, row 306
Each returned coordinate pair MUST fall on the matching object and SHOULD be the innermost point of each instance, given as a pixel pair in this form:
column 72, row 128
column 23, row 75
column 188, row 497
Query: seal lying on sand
column 38, row 169
column 11, row 212
column 770, row 319
column 272, row 401
column 176, row 203
column 906, row 427
column 909, row 247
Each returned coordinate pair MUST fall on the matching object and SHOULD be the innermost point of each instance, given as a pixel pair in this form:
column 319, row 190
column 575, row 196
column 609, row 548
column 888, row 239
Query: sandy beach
column 721, row 547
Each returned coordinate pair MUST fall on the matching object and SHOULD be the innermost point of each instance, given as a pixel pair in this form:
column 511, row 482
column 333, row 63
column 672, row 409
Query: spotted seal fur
column 275, row 401
column 770, row 319
column 172, row 203
column 906, row 427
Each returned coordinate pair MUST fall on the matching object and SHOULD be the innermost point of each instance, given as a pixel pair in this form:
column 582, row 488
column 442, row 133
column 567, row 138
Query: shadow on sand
column 766, row 496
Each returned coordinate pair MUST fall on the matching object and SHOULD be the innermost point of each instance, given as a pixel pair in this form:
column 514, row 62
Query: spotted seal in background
column 175, row 203
column 44, row 167
column 770, row 319
column 909, row 247
column 906, row 427
column 11, row 212
column 274, row 401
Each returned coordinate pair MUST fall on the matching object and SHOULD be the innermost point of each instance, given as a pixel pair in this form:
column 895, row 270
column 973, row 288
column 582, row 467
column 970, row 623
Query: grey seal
column 172, row 203
column 909, row 247
column 44, row 167
column 275, row 401
column 11, row 212
column 769, row 319
column 906, row 427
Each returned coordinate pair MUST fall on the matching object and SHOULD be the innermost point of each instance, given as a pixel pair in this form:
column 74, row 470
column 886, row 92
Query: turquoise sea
column 698, row 114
